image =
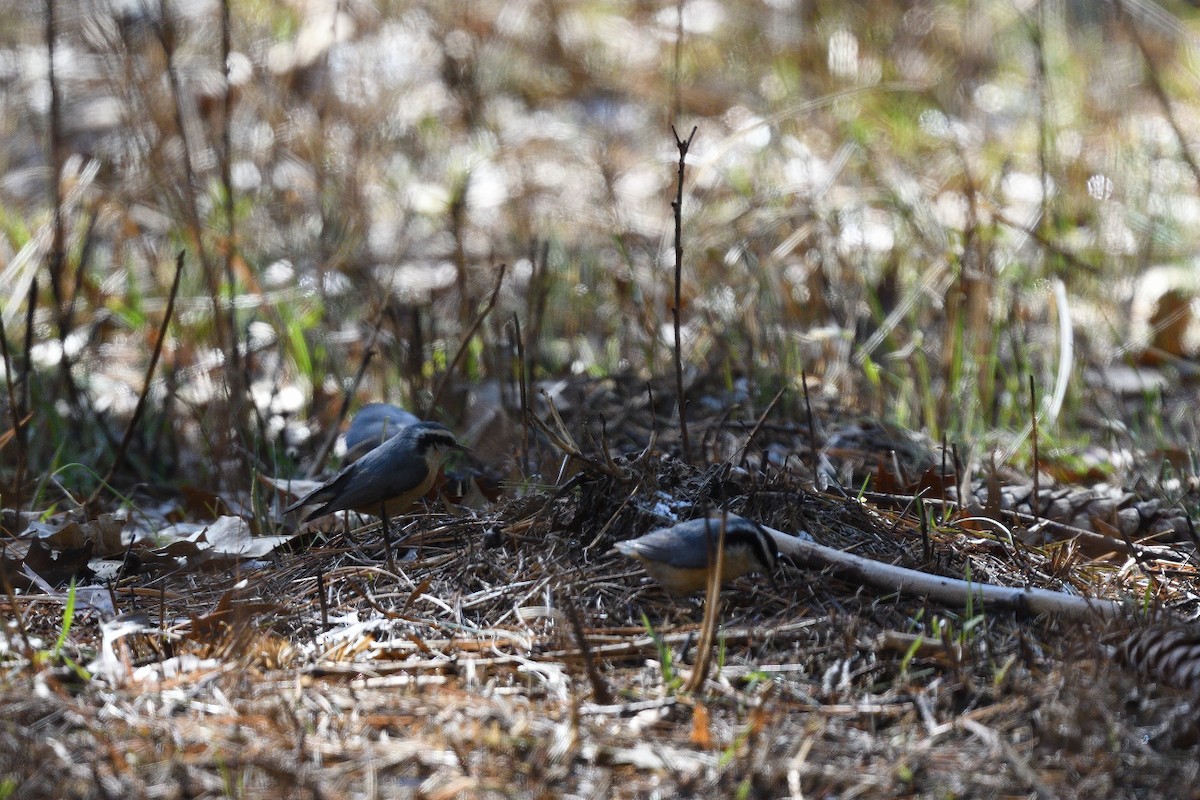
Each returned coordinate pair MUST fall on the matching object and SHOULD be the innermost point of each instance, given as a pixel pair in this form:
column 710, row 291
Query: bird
column 388, row 479
column 680, row 557
column 374, row 424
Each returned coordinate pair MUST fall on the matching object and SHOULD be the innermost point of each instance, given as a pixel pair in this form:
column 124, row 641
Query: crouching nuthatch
column 389, row 478
column 681, row 556
column 373, row 425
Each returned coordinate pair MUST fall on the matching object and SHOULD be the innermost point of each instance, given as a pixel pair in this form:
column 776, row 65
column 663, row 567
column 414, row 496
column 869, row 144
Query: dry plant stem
column 123, row 571
column 166, row 31
column 1044, row 242
column 677, row 205
column 535, row 305
column 712, row 615
column 1138, row 556
column 227, row 155
column 741, row 451
column 56, row 263
column 321, row 599
column 601, row 693
column 926, row 544
column 563, row 440
column 950, row 591
column 812, row 432
column 387, row 537
column 331, row 436
column 1160, row 92
column 1038, row 32
column 223, row 324
column 57, row 247
column 26, row 395
column 138, row 410
column 18, row 423
column 415, row 355
column 237, row 365
column 1037, row 497
column 470, row 334
column 524, row 386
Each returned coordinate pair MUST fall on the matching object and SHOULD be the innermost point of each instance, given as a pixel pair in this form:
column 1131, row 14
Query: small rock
column 1104, row 508
column 1060, row 510
column 1148, row 508
column 1128, row 521
column 1019, row 494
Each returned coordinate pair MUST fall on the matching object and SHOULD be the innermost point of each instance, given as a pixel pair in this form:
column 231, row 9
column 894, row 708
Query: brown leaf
column 202, row 503
column 701, row 734
column 58, row 568
column 228, row 618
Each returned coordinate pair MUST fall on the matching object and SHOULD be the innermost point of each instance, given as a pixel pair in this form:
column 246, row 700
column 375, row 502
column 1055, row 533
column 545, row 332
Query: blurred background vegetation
column 920, row 203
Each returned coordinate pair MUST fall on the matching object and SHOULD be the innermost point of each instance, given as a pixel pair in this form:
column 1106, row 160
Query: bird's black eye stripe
column 765, row 544
column 749, row 534
column 428, row 439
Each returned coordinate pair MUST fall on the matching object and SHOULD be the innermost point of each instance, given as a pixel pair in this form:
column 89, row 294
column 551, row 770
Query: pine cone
column 1168, row 655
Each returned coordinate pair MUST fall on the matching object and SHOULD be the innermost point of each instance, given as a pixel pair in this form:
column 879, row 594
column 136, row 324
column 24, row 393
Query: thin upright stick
column 677, row 204
column 1037, row 498
column 812, row 432
column 524, row 383
column 18, row 422
column 462, row 346
column 140, row 408
column 227, row 177
column 387, row 536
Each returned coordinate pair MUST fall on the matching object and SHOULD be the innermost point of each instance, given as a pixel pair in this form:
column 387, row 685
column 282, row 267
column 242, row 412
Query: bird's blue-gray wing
column 388, row 471
column 684, row 546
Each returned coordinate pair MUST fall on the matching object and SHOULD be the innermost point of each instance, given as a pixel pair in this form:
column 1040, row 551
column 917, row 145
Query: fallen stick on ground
column 950, row 591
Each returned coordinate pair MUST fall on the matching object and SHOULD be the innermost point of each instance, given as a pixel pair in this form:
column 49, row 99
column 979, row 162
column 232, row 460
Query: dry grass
column 320, row 673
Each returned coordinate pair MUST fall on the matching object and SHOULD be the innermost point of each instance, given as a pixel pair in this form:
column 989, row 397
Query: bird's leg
column 387, row 536
column 349, row 528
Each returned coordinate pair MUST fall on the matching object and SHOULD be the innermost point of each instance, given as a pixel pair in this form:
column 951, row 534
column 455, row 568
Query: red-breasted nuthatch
column 377, row 422
column 373, row 425
column 388, row 479
column 681, row 556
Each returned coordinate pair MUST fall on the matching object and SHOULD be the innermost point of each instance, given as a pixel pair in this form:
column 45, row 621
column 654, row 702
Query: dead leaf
column 227, row 537
column 701, row 734
column 290, row 488
column 228, row 619
column 202, row 503
column 104, row 534
column 57, row 568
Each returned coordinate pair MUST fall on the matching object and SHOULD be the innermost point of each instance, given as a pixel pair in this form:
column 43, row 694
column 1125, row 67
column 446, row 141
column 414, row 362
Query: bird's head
column 432, row 440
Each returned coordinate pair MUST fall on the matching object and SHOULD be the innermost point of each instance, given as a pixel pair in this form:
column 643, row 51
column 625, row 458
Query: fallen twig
column 950, row 591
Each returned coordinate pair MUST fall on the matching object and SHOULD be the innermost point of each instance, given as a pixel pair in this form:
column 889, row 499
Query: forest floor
column 505, row 650
column 919, row 273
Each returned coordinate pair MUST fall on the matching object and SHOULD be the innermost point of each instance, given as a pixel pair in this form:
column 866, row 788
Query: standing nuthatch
column 388, row 479
column 373, row 425
column 681, row 556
